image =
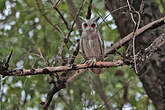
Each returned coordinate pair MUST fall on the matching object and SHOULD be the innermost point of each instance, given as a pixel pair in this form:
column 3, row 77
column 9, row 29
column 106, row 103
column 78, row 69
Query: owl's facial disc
column 85, row 25
column 89, row 27
column 93, row 25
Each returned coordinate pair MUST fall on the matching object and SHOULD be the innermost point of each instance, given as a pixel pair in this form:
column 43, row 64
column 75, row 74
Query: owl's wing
column 81, row 46
column 101, row 43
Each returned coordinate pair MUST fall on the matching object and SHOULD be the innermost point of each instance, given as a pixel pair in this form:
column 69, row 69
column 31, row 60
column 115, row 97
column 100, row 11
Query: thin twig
column 58, row 54
column 62, row 17
column 8, row 59
column 134, row 37
column 134, row 32
column 54, row 5
column 102, row 19
column 130, row 9
column 114, row 11
column 41, row 56
column 125, row 6
column 67, row 36
column 75, row 75
column 75, row 53
column 73, row 12
column 115, row 94
column 45, row 17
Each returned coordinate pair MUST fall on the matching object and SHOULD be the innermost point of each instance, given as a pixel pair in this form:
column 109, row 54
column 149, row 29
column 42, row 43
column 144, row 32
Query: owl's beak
column 89, row 29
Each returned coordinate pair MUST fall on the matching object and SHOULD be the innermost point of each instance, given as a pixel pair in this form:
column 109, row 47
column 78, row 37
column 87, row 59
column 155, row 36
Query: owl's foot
column 91, row 61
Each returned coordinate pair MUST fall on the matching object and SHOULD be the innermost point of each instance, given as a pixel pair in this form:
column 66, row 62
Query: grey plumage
column 91, row 43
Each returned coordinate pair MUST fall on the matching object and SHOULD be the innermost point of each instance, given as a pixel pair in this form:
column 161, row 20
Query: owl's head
column 89, row 25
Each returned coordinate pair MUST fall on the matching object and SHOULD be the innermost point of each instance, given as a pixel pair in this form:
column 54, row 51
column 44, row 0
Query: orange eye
column 93, row 25
column 85, row 25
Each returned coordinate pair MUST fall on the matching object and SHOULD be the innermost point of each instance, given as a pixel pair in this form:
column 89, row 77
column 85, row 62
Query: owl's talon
column 94, row 61
column 87, row 62
column 91, row 61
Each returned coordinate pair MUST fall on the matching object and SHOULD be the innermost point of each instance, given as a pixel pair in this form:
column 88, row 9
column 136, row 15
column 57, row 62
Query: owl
column 91, row 43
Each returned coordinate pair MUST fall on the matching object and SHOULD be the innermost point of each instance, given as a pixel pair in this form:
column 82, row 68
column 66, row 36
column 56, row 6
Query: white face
column 89, row 26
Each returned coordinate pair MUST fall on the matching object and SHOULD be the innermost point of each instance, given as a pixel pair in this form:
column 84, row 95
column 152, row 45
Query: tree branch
column 88, row 14
column 121, row 42
column 5, row 66
column 66, row 39
column 49, row 70
column 75, row 75
column 156, row 44
column 45, row 17
column 50, row 95
column 73, row 12
column 54, row 5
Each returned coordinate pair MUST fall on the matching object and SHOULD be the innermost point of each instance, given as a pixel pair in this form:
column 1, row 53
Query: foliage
column 161, row 5
column 24, row 29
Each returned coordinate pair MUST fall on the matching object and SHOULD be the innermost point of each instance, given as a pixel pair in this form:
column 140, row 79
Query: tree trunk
column 151, row 72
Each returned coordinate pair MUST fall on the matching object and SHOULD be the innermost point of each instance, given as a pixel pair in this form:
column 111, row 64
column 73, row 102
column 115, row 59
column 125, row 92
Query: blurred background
column 34, row 31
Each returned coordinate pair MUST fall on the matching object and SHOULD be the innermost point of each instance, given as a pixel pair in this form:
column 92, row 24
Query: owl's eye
column 85, row 25
column 93, row 25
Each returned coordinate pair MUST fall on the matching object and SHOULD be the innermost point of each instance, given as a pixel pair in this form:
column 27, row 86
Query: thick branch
column 48, row 70
column 50, row 96
column 150, row 50
column 121, row 42
column 156, row 44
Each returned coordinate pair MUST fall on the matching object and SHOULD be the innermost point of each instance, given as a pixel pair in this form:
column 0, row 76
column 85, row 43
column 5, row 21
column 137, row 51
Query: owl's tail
column 96, row 70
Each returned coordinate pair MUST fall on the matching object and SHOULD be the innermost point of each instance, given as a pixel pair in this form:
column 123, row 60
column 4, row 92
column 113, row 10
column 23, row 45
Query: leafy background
column 24, row 29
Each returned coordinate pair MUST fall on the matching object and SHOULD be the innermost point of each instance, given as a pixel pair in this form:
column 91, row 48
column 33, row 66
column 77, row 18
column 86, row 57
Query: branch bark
column 127, row 38
column 49, row 70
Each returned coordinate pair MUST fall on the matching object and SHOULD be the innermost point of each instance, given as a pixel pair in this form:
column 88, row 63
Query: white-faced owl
column 91, row 43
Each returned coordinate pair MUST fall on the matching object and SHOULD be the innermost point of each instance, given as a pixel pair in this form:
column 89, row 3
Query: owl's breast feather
column 90, row 42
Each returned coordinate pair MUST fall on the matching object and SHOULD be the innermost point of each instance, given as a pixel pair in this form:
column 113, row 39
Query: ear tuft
column 96, row 19
column 82, row 19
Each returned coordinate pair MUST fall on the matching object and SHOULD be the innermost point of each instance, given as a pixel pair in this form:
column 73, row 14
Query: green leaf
column 2, row 5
